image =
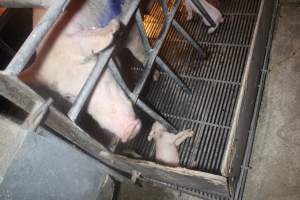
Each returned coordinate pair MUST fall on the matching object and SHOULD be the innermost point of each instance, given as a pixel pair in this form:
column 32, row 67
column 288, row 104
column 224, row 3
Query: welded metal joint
column 35, row 117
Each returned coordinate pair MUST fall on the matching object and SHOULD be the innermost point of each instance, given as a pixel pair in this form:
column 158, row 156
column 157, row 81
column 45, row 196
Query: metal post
column 28, row 48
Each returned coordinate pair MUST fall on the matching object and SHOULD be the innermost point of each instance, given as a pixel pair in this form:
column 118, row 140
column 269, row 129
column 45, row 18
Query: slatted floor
column 214, row 82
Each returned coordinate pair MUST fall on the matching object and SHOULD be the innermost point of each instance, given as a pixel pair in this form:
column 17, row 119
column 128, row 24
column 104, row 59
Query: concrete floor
column 275, row 161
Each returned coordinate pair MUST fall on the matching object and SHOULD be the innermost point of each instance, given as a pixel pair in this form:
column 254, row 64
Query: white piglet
column 166, row 144
column 213, row 12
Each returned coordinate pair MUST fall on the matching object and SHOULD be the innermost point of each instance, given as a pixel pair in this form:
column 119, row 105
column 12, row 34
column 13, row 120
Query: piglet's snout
column 131, row 130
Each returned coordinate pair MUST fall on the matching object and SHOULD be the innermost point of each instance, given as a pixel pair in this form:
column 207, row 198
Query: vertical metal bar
column 90, row 83
column 180, row 30
column 204, row 13
column 28, row 48
column 166, row 68
column 116, row 74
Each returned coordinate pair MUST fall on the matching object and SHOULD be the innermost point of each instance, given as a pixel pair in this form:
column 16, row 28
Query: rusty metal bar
column 28, row 48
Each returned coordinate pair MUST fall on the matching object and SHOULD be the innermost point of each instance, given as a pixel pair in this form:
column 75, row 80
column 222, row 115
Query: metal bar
column 204, row 13
column 116, row 74
column 180, row 30
column 164, row 6
column 141, row 83
column 37, row 114
column 25, row 3
column 28, row 48
column 90, row 83
column 166, row 68
column 102, row 60
column 141, row 28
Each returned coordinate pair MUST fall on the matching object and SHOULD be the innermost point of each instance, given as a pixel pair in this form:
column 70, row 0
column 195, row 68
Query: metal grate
column 214, row 83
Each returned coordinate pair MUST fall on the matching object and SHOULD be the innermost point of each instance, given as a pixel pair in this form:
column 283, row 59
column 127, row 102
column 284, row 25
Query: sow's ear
column 93, row 40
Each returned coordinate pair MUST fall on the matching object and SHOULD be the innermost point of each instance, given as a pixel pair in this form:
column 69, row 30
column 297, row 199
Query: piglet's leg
column 189, row 10
column 183, row 135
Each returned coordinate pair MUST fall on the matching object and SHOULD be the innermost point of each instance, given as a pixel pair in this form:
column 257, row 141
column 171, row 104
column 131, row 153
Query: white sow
column 61, row 66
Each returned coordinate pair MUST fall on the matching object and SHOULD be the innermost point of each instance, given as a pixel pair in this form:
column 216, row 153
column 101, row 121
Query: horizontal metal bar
column 149, row 65
column 25, row 3
column 116, row 74
column 28, row 48
column 179, row 29
column 90, row 83
column 204, row 13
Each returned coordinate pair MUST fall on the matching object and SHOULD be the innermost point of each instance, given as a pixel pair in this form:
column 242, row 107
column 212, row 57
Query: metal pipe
column 164, row 6
column 28, row 48
column 90, row 83
column 116, row 74
column 141, row 29
column 141, row 83
column 166, row 68
column 180, row 30
column 204, row 13
column 25, row 3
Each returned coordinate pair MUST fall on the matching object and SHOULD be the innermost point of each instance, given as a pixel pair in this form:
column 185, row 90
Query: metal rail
column 24, row 54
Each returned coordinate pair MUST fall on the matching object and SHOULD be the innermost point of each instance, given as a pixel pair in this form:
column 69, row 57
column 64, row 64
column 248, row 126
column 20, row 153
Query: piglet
column 213, row 12
column 166, row 144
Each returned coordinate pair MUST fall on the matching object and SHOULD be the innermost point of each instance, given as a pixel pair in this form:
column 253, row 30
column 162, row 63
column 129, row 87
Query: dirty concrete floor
column 275, row 162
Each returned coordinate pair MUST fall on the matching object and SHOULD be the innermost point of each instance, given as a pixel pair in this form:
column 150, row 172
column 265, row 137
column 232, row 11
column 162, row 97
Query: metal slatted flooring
column 214, row 82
